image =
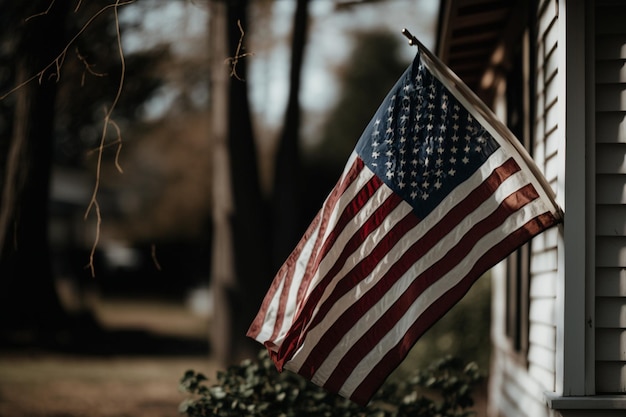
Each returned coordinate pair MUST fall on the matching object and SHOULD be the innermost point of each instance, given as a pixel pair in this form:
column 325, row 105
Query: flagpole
column 488, row 114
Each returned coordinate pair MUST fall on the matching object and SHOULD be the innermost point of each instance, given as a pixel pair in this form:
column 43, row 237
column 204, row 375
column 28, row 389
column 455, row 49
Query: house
column 555, row 72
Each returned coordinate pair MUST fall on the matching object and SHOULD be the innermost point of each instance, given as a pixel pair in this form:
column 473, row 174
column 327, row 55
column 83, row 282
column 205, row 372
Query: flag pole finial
column 412, row 39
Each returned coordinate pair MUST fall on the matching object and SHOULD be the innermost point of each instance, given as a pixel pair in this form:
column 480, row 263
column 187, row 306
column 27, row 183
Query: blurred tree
column 373, row 67
column 242, row 236
column 27, row 295
column 288, row 187
column 56, row 90
column 222, row 263
column 164, row 195
column 246, row 231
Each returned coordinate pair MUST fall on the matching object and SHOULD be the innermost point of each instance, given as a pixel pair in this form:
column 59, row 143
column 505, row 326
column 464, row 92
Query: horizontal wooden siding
column 610, row 142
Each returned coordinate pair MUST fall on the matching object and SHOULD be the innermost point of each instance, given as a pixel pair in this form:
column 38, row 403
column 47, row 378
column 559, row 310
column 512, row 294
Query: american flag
column 433, row 196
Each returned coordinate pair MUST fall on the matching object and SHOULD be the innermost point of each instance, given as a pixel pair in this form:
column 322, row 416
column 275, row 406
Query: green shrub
column 255, row 388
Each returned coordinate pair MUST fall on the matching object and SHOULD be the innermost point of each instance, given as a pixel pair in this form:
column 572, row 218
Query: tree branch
column 107, row 120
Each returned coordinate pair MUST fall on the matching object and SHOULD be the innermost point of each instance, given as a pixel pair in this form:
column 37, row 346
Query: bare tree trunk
column 222, row 263
column 287, row 174
column 241, row 273
column 243, row 237
column 28, row 299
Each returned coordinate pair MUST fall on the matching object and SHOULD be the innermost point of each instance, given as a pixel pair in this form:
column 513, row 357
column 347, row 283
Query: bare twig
column 88, row 68
column 59, row 59
column 233, row 61
column 107, row 120
column 118, row 142
column 45, row 12
column 154, row 257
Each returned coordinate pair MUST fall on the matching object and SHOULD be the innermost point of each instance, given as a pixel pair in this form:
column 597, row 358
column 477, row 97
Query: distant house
column 555, row 72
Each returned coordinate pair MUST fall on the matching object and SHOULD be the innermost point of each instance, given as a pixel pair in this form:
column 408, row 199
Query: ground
column 132, row 370
column 65, row 386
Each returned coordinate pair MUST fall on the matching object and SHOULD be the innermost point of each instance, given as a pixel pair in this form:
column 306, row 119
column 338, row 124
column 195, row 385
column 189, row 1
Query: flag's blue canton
column 422, row 142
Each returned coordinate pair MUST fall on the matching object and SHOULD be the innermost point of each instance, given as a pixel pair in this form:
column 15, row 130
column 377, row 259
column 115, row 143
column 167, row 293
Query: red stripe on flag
column 357, row 203
column 353, row 207
column 389, row 362
column 326, row 212
column 286, row 272
column 292, row 338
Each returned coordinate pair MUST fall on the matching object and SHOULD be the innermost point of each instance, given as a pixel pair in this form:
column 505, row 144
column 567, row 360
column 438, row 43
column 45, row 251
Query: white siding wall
column 542, row 293
column 610, row 147
column 517, row 384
